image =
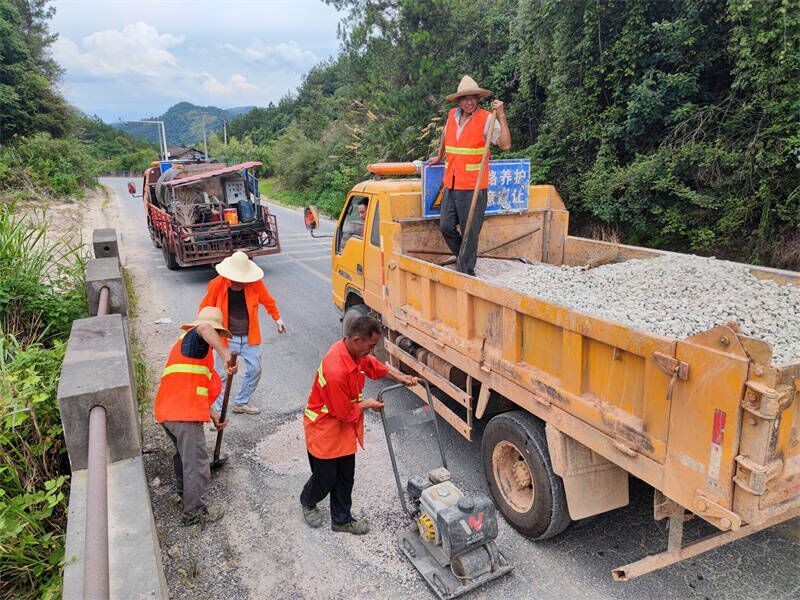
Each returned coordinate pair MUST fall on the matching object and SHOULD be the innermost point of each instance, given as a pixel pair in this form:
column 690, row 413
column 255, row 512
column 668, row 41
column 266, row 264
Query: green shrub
column 41, row 292
column 32, row 481
column 41, row 282
column 62, row 166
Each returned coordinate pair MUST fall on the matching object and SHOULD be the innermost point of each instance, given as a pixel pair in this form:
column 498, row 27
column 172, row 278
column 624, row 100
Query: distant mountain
column 183, row 123
column 239, row 110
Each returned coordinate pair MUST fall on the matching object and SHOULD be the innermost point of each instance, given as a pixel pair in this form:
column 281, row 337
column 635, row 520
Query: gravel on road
column 673, row 296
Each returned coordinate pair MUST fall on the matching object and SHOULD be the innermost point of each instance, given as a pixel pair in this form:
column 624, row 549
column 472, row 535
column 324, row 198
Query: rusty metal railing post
column 95, row 567
column 103, row 304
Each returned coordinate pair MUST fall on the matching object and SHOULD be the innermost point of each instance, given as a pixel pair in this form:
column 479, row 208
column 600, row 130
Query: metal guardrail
column 95, row 567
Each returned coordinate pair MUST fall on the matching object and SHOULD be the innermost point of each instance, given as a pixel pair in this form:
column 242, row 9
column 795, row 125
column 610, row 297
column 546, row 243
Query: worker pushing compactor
column 465, row 147
column 334, row 422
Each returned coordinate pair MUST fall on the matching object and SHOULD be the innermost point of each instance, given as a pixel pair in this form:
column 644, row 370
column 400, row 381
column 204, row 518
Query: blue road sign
column 508, row 187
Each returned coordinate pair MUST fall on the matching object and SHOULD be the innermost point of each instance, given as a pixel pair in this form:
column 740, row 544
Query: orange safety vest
column 189, row 386
column 463, row 155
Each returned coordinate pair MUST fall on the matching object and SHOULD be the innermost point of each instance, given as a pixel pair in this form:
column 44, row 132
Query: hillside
column 183, row 123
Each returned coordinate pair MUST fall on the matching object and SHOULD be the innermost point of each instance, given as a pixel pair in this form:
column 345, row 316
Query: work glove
column 281, row 327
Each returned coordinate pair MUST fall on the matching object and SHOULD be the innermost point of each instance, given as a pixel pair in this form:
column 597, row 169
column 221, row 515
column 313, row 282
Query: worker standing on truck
column 237, row 291
column 189, row 386
column 462, row 143
column 334, row 422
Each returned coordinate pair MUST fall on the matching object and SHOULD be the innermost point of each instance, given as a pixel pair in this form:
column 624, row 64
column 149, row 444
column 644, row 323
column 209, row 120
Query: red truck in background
column 201, row 213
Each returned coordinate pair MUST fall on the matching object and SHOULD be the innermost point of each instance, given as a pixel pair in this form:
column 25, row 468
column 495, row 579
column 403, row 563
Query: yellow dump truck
column 574, row 403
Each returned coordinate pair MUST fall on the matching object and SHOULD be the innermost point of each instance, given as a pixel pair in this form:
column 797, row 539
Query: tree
column 28, row 102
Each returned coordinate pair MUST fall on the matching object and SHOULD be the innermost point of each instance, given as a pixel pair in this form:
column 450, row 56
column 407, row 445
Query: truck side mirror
column 311, row 216
column 131, row 188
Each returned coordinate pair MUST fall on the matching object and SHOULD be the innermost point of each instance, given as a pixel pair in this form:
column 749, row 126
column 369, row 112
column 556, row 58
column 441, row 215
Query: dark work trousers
column 455, row 211
column 191, row 464
column 332, row 476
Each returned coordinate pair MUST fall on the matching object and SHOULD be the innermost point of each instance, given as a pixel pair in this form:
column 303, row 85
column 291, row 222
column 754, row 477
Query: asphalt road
column 262, row 548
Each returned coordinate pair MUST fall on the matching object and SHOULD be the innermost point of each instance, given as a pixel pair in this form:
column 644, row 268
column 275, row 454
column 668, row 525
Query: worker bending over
column 463, row 140
column 237, row 291
column 189, row 385
column 334, row 422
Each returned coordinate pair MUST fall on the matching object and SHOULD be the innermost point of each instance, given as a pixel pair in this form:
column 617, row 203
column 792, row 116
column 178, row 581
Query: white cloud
column 122, row 62
column 236, row 85
column 287, row 55
column 138, row 49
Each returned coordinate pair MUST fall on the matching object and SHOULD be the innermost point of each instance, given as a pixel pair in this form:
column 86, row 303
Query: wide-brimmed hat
column 239, row 268
column 211, row 315
column 468, row 87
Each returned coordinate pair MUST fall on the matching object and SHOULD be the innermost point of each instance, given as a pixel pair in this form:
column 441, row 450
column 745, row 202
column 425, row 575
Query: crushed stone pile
column 674, row 296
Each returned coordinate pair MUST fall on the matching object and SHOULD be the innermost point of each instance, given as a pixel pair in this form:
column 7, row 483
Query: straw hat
column 211, row 315
column 239, row 268
column 468, row 87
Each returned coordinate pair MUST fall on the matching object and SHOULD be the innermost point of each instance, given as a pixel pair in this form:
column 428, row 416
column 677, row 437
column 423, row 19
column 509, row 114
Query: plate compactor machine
column 452, row 543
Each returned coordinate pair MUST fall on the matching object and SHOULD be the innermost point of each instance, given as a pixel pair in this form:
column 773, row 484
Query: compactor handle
column 398, row 423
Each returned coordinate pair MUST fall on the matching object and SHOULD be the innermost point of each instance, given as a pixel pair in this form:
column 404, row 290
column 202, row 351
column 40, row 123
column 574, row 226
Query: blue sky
column 131, row 59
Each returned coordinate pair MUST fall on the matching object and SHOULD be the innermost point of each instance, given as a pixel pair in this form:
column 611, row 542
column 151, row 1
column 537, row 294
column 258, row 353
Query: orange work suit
column 255, row 293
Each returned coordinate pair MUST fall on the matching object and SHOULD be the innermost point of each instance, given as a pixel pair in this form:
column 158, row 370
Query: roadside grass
column 141, row 370
column 41, row 293
column 272, row 189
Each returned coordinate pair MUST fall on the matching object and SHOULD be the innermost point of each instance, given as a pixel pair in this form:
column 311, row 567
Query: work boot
column 356, row 527
column 313, row 516
column 246, row 409
column 203, row 517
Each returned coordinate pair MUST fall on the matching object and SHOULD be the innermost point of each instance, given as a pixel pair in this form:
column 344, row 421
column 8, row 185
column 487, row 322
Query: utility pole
column 225, row 131
column 162, row 136
column 205, row 141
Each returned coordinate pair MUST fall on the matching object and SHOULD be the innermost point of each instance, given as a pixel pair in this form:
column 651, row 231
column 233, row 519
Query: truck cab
column 359, row 250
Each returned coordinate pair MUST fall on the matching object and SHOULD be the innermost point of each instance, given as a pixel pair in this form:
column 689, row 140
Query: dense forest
column 48, row 148
column 669, row 124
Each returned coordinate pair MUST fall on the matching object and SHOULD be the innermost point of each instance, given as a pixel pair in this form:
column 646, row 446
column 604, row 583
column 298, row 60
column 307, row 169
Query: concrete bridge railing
column 112, row 548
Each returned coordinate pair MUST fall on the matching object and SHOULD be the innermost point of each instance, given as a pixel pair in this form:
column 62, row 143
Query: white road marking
column 302, row 265
column 290, row 258
column 304, row 250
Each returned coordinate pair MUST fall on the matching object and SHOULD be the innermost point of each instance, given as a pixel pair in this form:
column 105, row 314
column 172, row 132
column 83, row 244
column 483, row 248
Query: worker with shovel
column 334, row 422
column 237, row 291
column 465, row 147
column 189, row 386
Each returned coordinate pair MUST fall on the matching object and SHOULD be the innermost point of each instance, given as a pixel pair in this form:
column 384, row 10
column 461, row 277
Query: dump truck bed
column 708, row 420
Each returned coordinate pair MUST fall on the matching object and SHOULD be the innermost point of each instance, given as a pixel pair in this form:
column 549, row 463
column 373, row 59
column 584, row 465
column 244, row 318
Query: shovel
column 221, row 459
column 468, row 244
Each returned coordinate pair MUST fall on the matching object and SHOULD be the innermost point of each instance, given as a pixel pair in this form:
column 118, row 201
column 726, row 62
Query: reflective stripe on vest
column 202, row 391
column 313, row 416
column 320, row 376
column 359, row 399
column 186, row 368
column 464, row 151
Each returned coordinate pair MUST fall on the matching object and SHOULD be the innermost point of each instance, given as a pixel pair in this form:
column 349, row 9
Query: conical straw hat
column 211, row 315
column 468, row 87
column 238, row 267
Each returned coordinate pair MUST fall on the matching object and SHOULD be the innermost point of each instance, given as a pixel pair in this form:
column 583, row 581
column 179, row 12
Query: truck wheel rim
column 513, row 476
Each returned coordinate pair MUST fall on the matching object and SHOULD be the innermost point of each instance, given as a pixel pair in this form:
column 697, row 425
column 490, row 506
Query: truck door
column 348, row 249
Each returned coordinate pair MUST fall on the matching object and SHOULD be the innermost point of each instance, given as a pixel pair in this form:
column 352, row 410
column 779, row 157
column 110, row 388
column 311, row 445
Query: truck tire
column 169, row 256
column 351, row 314
column 517, row 467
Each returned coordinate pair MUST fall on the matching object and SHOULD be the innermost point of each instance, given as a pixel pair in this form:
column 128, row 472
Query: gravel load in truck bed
column 674, row 296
